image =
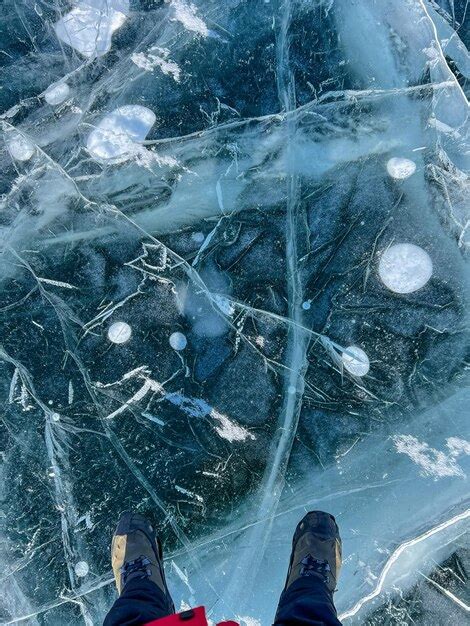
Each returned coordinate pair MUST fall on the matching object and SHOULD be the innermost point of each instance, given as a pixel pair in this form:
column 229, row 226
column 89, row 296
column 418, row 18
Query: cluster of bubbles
column 121, row 332
column 403, row 268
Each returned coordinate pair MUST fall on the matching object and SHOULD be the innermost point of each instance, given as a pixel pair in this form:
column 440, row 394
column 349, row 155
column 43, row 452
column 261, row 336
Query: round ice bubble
column 405, row 268
column 401, row 168
column 56, row 94
column 20, row 148
column 119, row 332
column 198, row 237
column 120, row 133
column 178, row 341
column 355, row 360
column 81, row 569
column 306, row 305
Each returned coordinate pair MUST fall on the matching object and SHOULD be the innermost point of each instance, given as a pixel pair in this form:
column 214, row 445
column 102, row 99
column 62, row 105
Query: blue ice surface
column 239, row 179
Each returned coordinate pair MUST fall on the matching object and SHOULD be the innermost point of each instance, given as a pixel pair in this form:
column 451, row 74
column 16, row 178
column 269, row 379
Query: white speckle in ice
column 20, row 148
column 81, row 568
column 306, row 305
column 89, row 26
column 401, row 168
column 157, row 57
column 260, row 341
column 119, row 332
column 356, row 361
column 55, row 417
column 56, row 94
column 245, row 620
column 178, row 341
column 291, row 389
column 118, row 136
column 186, row 14
column 198, row 237
column 405, row 267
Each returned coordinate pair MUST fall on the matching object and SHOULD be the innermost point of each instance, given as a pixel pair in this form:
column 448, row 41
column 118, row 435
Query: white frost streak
column 433, row 462
column 157, row 57
column 191, row 494
column 14, row 381
column 230, row 430
column 186, row 14
column 149, row 385
column 194, row 407
column 56, row 283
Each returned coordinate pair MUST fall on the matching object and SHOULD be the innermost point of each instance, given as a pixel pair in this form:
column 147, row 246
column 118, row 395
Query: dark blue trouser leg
column 307, row 601
column 141, row 601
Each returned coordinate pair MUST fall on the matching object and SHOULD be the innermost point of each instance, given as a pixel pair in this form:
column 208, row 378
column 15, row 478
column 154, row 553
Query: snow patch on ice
column 157, row 57
column 400, row 168
column 186, row 14
column 230, row 430
column 434, row 462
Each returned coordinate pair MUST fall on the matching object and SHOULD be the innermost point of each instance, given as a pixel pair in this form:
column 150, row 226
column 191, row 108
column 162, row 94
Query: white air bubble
column 81, row 569
column 405, row 268
column 178, row 341
column 198, row 237
column 400, row 168
column 224, row 305
column 119, row 332
column 20, row 148
column 55, row 417
column 56, row 94
column 119, row 134
column 306, row 305
column 355, row 360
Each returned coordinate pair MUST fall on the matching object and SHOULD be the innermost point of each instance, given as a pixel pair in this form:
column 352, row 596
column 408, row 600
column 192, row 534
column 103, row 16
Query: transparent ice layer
column 234, row 288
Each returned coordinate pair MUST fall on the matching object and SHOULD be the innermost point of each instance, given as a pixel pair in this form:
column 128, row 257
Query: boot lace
column 311, row 566
column 141, row 566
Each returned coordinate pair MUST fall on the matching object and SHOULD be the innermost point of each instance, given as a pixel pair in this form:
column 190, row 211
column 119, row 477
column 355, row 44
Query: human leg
column 138, row 569
column 307, row 598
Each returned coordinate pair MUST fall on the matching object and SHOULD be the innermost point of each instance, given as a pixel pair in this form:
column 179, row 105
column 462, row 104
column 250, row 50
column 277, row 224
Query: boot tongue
column 138, row 568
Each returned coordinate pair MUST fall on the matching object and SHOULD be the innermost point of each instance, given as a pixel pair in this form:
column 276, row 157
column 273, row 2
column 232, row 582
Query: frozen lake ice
column 234, row 288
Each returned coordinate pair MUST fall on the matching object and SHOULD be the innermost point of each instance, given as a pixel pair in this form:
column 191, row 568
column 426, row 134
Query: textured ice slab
column 20, row 148
column 89, row 26
column 56, row 94
column 234, row 287
column 119, row 134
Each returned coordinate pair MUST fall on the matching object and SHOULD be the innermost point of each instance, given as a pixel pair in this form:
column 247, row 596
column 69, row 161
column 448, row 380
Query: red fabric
column 192, row 617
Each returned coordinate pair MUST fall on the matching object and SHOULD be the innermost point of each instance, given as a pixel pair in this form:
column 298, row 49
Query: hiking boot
column 136, row 552
column 316, row 550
